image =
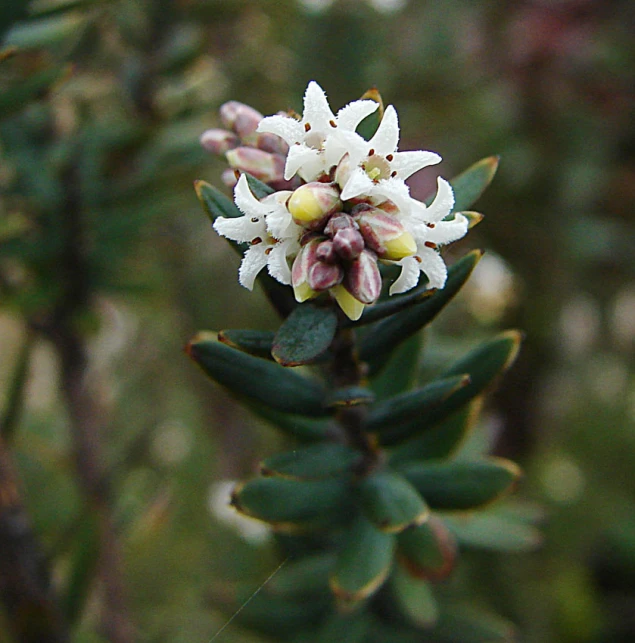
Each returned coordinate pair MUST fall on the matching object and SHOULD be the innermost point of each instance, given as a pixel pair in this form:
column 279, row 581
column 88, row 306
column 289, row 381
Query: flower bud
column 326, row 253
column 228, row 177
column 219, row 141
column 323, row 276
column 385, row 234
column 352, row 307
column 348, row 243
column 338, row 222
column 272, row 143
column 312, row 203
column 305, row 259
column 239, row 117
column 363, row 279
column 263, row 165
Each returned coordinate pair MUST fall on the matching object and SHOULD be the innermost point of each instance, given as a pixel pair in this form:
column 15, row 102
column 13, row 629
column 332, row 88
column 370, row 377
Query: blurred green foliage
column 102, row 103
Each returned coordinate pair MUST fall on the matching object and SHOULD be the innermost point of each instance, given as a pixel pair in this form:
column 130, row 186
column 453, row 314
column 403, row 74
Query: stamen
column 307, row 127
column 255, row 219
column 430, row 244
column 256, row 241
column 371, row 151
column 268, row 251
column 237, row 174
column 419, row 259
column 332, row 123
column 431, row 225
column 390, row 157
column 393, row 174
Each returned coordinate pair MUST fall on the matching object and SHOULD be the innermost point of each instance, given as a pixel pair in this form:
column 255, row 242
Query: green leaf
column 306, row 334
column 363, row 563
column 387, row 334
column 440, row 441
column 400, row 373
column 46, row 32
column 315, row 461
column 347, row 627
column 390, row 502
column 303, row 577
column 493, row 530
column 470, row 184
column 466, row 624
column 415, row 598
column 257, row 379
column 367, row 128
column 214, row 202
column 462, row 484
column 16, row 392
column 349, row 396
column 286, row 503
column 427, row 551
column 412, row 408
column 259, row 189
column 253, row 342
column 300, row 427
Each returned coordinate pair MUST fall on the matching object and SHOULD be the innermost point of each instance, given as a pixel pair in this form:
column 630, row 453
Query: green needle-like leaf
column 415, row 598
column 470, row 184
column 305, row 335
column 387, row 334
column 363, row 563
column 259, row 189
column 314, row 461
column 254, row 342
column 214, row 202
column 390, row 502
column 257, row 379
column 300, row 427
column 306, row 576
column 462, row 485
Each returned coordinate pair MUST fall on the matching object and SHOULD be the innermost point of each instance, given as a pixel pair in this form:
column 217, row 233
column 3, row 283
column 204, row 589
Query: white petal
column 387, row 135
column 316, row 107
column 246, row 201
column 281, row 225
column 253, row 262
column 408, row 278
column 241, row 229
column 395, row 190
column 358, row 183
column 283, row 126
column 302, row 156
column 349, row 143
column 278, row 265
column 351, row 115
column 447, row 231
column 407, row 163
column 433, row 266
column 443, row 202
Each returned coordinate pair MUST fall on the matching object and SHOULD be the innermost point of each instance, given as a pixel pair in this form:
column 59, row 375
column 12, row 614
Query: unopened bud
column 325, row 252
column 219, row 141
column 348, row 243
column 313, row 202
column 300, row 271
column 228, row 177
column 339, row 221
column 385, row 235
column 323, row 276
column 272, row 143
column 263, row 165
column 240, row 118
column 353, row 308
column 363, row 279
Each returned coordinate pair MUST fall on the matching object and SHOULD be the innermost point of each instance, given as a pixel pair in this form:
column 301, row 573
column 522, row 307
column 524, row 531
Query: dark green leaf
column 254, row 342
column 287, row 503
column 412, row 408
column 367, row 128
column 363, row 563
column 470, row 184
column 400, row 372
column 462, row 485
column 387, row 334
column 349, row 396
column 214, row 202
column 305, row 429
column 315, row 461
column 465, row 624
column 259, row 189
column 427, row 551
column 260, row 380
column 346, row 627
column 16, row 392
column 46, row 32
column 415, row 598
column 305, row 335
column 303, row 577
column 390, row 502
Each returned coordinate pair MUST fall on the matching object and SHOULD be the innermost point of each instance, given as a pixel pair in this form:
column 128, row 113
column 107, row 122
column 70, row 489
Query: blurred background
column 114, row 447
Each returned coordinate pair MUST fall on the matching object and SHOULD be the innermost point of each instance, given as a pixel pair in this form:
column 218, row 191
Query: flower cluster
column 347, row 206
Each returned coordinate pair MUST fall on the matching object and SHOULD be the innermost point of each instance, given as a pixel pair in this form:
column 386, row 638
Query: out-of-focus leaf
column 15, row 393
column 363, row 562
column 427, row 551
column 465, row 624
column 284, row 502
column 348, row 627
column 254, row 342
column 390, row 502
column 387, row 334
column 302, row 578
column 470, row 184
column 349, row 396
column 400, row 372
column 214, row 202
column 260, row 380
column 300, row 427
column 46, row 32
column 314, row 461
column 305, row 335
column 415, row 598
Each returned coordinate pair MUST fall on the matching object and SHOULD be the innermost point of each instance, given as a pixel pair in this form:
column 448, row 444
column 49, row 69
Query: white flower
column 430, row 231
column 269, row 230
column 314, row 146
column 376, row 169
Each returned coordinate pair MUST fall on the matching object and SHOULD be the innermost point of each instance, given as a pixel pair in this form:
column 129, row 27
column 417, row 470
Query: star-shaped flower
column 430, row 231
column 314, row 149
column 269, row 230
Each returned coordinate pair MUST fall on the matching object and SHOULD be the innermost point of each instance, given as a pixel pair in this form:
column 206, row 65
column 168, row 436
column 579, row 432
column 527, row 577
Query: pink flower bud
column 228, row 177
column 272, row 143
column 363, row 279
column 303, row 262
column 323, row 276
column 348, row 243
column 240, row 118
column 337, row 222
column 385, row 234
column 219, row 141
column 326, row 252
column 263, row 165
